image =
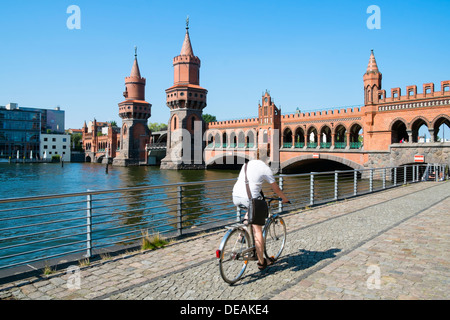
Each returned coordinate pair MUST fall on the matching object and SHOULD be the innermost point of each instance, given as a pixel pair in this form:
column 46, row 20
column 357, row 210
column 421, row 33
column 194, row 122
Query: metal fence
column 81, row 225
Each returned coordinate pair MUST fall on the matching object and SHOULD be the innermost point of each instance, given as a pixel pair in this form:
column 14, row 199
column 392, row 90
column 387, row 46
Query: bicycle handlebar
column 274, row 199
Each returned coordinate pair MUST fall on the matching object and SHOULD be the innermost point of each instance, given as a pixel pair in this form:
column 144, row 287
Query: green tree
column 154, row 126
column 76, row 140
column 209, row 118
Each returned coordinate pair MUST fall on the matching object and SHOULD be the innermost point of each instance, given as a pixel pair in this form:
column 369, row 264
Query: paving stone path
column 389, row 245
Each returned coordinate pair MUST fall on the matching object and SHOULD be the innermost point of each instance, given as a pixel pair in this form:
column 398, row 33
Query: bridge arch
column 398, row 130
column 299, row 134
column 311, row 134
column 251, row 138
column 224, row 161
column 294, row 164
column 416, row 124
column 287, row 136
column 438, row 122
column 325, row 134
column 162, row 138
column 355, row 130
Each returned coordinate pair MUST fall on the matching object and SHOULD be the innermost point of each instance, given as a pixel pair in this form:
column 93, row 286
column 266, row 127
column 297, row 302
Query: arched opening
column 250, row 139
column 224, row 140
column 315, row 165
column 217, row 140
column 299, row 138
column 325, row 137
column 420, row 132
column 340, row 140
column 311, row 137
column 233, row 140
column 398, row 132
column 265, row 137
column 241, row 140
column 287, row 138
column 174, row 123
column 356, row 136
column 442, row 129
column 210, row 140
column 225, row 162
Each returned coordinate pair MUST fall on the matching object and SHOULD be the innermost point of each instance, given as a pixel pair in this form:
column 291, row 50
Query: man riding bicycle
column 257, row 173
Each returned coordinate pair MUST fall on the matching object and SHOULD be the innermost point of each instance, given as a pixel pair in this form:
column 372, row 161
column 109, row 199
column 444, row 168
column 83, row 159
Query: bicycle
column 238, row 245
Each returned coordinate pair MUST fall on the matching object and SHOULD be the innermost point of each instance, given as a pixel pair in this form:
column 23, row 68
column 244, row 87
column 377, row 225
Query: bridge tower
column 372, row 82
column 134, row 112
column 372, row 89
column 186, row 101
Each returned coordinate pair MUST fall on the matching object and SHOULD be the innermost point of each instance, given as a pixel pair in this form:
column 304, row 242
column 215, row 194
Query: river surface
column 34, row 230
column 22, row 180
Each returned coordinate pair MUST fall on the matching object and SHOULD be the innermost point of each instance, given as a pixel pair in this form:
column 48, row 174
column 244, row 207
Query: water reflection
column 29, row 179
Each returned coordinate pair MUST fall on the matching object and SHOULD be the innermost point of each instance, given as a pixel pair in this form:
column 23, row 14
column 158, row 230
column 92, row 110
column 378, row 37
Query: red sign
column 419, row 158
column 315, row 156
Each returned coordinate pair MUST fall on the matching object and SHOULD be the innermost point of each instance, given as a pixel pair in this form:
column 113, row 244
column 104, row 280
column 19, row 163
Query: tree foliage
column 154, row 126
column 209, row 118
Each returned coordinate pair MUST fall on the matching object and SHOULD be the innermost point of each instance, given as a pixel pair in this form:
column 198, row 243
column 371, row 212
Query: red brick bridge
column 382, row 132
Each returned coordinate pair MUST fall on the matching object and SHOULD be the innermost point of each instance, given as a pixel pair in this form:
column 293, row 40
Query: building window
column 45, row 146
column 53, row 147
column 45, row 139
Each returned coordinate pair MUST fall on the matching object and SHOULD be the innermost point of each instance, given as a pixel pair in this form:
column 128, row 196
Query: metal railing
column 41, row 228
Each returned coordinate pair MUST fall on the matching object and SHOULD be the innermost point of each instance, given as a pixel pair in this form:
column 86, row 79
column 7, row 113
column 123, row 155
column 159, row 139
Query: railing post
column 335, row 185
column 355, row 182
column 395, row 176
column 179, row 210
column 384, row 178
column 89, row 226
column 371, row 180
column 404, row 174
column 280, row 203
column 311, row 189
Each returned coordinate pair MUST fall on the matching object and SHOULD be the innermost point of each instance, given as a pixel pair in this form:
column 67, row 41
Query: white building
column 55, row 144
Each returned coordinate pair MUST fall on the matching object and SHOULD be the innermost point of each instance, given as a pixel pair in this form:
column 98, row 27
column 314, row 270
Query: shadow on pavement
column 302, row 260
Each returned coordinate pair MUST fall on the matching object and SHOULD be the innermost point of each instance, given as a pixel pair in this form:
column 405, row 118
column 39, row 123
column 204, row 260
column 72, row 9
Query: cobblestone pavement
column 389, row 245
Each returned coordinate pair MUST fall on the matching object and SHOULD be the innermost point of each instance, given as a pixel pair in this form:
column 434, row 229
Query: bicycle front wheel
column 274, row 238
column 232, row 260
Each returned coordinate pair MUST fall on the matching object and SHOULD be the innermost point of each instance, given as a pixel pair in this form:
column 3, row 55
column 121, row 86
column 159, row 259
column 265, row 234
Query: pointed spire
column 135, row 69
column 372, row 67
column 186, row 50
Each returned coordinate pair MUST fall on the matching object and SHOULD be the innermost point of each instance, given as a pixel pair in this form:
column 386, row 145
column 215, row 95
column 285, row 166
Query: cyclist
column 257, row 173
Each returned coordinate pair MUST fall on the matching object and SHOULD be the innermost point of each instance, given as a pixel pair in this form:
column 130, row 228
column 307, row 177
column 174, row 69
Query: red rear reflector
column 218, row 254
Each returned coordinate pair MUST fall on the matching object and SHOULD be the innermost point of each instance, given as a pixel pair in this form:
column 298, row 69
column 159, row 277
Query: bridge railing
column 44, row 229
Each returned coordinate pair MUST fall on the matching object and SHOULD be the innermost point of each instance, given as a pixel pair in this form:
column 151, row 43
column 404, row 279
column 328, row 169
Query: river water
column 21, row 180
column 28, row 179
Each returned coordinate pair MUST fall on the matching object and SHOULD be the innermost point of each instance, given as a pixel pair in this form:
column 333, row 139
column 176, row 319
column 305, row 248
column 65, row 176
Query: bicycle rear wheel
column 233, row 254
column 274, row 238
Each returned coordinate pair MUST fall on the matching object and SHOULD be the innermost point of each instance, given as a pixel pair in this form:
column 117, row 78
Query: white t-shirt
column 257, row 173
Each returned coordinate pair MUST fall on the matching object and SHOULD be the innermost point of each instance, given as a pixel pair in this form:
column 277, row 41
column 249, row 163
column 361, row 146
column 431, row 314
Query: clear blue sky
column 308, row 54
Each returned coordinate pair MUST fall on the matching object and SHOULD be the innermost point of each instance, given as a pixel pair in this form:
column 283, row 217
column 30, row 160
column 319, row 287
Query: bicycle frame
column 249, row 229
